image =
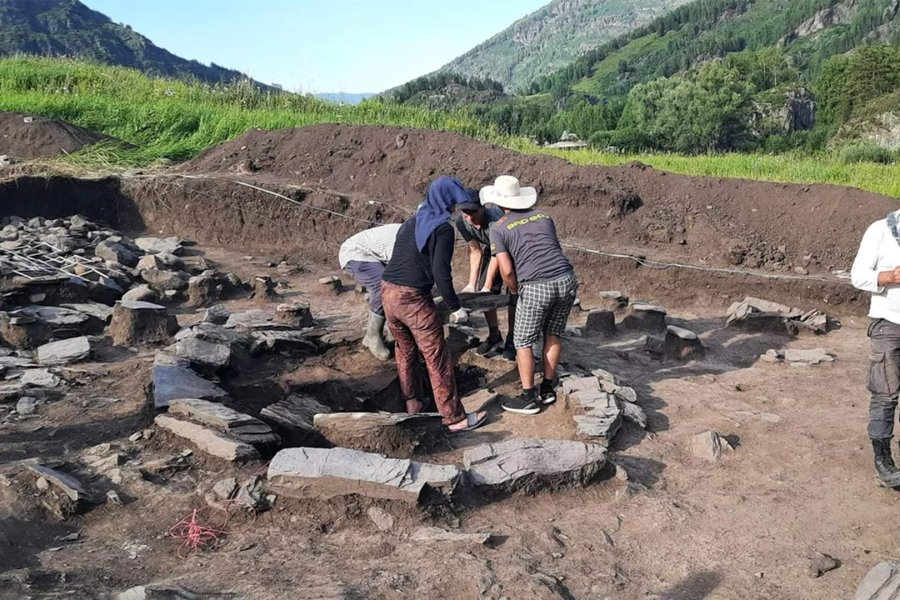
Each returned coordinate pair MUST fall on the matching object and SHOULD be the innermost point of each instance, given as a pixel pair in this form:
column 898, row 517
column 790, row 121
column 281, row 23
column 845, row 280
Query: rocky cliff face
column 554, row 36
column 783, row 112
column 881, row 130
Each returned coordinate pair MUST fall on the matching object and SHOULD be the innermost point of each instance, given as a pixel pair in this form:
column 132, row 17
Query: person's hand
column 460, row 316
column 895, row 276
column 469, row 289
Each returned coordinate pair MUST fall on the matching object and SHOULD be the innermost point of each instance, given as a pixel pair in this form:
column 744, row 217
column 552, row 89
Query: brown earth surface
column 681, row 528
column 799, row 481
column 28, row 136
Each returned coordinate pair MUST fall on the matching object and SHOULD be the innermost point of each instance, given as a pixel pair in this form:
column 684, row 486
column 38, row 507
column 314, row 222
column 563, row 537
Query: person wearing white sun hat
column 534, row 268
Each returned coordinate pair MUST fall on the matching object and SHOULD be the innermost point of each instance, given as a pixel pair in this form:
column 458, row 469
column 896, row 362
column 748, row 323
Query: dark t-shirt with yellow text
column 529, row 236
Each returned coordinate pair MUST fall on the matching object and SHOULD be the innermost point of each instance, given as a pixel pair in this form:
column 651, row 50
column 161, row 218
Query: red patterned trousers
column 416, row 326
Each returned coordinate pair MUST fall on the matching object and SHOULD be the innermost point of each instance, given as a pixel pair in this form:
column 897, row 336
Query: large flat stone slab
column 207, row 439
column 398, row 435
column 273, row 340
column 64, row 351
column 96, row 310
column 154, row 245
column 331, row 472
column 529, row 465
column 227, row 420
column 67, row 484
column 173, row 380
column 882, row 582
column 255, row 319
column 480, row 302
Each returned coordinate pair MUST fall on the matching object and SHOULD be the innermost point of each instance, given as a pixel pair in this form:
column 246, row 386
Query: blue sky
column 320, row 45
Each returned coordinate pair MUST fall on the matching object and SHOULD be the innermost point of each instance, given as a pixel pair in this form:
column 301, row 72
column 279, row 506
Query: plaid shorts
column 543, row 307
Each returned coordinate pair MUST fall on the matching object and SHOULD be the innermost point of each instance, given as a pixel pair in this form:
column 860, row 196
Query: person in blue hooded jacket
column 422, row 260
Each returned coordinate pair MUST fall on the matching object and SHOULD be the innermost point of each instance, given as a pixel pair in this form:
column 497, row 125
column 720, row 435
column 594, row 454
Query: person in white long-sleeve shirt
column 876, row 269
column 364, row 256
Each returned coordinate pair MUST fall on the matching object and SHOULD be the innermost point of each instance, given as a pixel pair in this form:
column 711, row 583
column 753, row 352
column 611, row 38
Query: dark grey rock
column 64, row 351
column 227, row 420
column 530, row 465
column 217, row 314
column 293, row 418
column 152, row 245
column 141, row 293
column 165, row 280
column 207, row 439
column 174, row 381
column 203, row 353
column 601, row 322
column 116, row 252
column 330, row 472
column 644, row 317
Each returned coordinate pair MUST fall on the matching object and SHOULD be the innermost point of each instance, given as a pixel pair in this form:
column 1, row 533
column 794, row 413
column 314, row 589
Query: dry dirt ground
column 800, row 481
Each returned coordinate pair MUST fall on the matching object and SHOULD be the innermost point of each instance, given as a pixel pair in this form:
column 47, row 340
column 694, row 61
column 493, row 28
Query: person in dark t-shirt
column 533, row 266
column 474, row 223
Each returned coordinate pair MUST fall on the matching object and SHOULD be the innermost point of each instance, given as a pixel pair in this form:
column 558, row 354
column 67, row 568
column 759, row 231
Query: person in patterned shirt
column 364, row 256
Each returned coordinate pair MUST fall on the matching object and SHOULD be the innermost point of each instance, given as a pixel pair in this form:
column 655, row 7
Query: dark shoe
column 885, row 471
column 509, row 352
column 489, row 344
column 526, row 404
column 547, row 392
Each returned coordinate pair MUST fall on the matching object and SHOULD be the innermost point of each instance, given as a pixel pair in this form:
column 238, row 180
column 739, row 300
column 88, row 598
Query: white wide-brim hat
column 507, row 193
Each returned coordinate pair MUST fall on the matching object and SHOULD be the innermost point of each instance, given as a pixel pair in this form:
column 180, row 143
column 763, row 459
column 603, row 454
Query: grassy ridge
column 165, row 119
column 784, row 168
column 175, row 120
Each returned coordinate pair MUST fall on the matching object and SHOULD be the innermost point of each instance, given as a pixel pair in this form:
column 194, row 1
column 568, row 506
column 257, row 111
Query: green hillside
column 725, row 75
column 809, row 31
column 71, row 29
column 170, row 120
column 552, row 37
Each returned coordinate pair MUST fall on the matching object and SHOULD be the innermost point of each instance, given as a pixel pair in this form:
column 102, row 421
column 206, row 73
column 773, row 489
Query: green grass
column 167, row 120
column 786, row 168
column 172, row 120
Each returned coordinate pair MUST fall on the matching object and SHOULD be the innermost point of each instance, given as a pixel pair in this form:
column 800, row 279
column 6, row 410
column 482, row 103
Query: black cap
column 473, row 203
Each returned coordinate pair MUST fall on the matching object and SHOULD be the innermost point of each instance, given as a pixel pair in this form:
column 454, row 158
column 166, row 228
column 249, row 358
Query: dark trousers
column 368, row 274
column 416, row 326
column 883, row 380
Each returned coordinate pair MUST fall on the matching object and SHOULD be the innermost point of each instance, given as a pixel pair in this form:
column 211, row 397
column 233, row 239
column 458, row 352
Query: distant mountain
column 552, row 37
column 343, row 97
column 69, row 28
column 807, row 31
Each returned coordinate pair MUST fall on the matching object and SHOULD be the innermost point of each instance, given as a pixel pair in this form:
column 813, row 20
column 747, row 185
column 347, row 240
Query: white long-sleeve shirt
column 370, row 245
column 878, row 252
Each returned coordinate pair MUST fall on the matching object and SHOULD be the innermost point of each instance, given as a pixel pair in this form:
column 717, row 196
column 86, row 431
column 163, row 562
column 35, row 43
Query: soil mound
column 709, row 221
column 26, row 136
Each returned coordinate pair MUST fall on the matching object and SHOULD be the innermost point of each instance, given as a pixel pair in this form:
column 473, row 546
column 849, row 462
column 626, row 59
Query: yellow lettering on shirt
column 537, row 217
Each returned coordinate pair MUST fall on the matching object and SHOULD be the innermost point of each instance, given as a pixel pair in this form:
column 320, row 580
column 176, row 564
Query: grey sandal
column 472, row 422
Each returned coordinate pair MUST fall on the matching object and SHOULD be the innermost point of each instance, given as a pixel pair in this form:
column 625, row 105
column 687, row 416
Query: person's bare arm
column 508, row 272
column 492, row 270
column 474, row 263
column 889, row 277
